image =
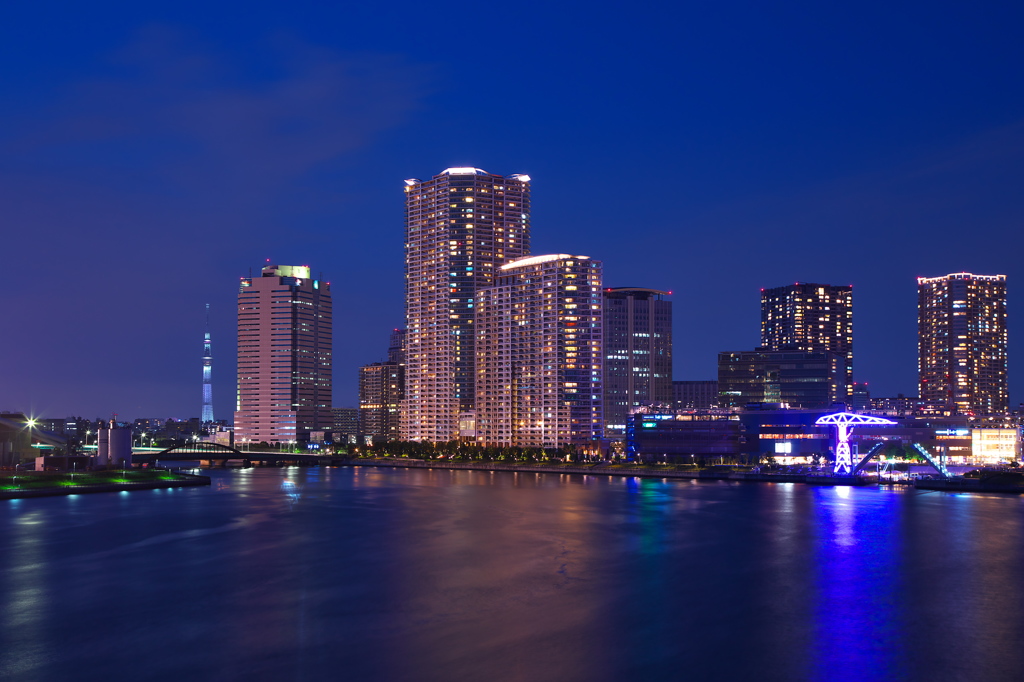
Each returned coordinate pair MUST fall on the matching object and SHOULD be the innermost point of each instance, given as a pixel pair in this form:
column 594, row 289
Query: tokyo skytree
column 207, row 371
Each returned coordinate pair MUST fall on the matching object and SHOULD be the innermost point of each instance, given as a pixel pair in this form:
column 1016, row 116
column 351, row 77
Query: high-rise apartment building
column 284, row 356
column 637, row 355
column 461, row 226
column 539, row 354
column 810, row 317
column 381, row 387
column 961, row 343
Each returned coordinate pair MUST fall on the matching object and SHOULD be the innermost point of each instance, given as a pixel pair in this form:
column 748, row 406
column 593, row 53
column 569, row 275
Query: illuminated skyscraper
column 638, row 354
column 539, row 349
column 961, row 343
column 207, row 413
column 284, row 356
column 380, row 398
column 461, row 226
column 810, row 317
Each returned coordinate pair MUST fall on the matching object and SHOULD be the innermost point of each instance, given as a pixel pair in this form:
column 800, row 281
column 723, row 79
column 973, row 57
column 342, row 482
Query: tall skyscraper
column 539, row 350
column 810, row 317
column 961, row 343
column 207, row 413
column 461, row 226
column 284, row 356
column 381, row 387
column 638, row 353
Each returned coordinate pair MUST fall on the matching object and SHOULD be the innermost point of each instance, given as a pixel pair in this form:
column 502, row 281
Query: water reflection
column 293, row 573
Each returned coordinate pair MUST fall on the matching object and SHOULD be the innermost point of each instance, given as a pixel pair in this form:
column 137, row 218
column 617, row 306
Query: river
column 407, row 574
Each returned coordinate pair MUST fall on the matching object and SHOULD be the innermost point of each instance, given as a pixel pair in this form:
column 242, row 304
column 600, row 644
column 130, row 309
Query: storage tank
column 102, row 448
column 119, row 443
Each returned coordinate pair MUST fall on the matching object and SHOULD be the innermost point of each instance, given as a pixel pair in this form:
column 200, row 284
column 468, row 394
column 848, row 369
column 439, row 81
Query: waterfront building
column 381, row 387
column 962, row 343
column 345, row 425
column 284, row 356
column 638, row 354
column 539, row 351
column 695, row 395
column 683, row 438
column 810, row 317
column 461, row 226
column 800, row 379
column 206, row 416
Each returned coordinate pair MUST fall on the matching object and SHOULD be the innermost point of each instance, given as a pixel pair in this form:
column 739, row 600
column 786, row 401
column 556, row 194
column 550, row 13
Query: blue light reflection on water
column 409, row 574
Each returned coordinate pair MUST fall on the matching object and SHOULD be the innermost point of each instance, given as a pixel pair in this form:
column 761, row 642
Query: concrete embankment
column 593, row 470
column 968, row 485
column 186, row 480
column 714, row 474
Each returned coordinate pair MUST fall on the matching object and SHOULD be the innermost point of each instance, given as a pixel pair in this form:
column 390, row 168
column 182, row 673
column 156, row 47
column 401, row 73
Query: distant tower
column 207, row 371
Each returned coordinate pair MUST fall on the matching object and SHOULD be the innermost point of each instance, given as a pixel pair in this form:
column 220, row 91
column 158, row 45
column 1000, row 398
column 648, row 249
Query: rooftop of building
column 470, row 170
column 537, row 260
column 961, row 275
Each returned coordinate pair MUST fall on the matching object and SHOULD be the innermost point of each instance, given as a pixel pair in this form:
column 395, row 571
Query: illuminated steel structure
column 844, row 423
column 539, row 350
column 207, row 413
column 461, row 226
column 810, row 317
column 638, row 354
column 284, row 356
column 962, row 344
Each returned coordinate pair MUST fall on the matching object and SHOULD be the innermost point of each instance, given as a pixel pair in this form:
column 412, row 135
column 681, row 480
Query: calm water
column 376, row 574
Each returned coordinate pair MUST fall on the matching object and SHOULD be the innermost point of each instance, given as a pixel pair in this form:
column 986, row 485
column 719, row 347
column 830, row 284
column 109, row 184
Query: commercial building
column 799, row 379
column 381, row 387
column 461, row 226
column 638, row 354
column 694, row 395
column 962, row 344
column 792, row 436
column 810, row 317
column 345, row 428
column 683, row 438
column 284, row 356
column 539, row 350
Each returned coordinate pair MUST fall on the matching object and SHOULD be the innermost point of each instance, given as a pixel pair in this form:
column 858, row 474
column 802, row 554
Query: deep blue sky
column 151, row 153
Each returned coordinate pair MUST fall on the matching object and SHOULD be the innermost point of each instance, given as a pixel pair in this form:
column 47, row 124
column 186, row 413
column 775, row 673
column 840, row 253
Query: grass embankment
column 41, row 480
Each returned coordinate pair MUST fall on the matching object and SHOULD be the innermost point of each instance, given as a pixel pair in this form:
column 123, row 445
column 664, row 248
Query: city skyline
column 140, row 141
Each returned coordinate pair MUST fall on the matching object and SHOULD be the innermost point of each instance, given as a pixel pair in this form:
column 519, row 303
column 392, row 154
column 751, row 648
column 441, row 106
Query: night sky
column 152, row 153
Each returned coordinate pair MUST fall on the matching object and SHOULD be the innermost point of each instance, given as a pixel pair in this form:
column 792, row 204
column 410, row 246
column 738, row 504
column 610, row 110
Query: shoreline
column 931, row 485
